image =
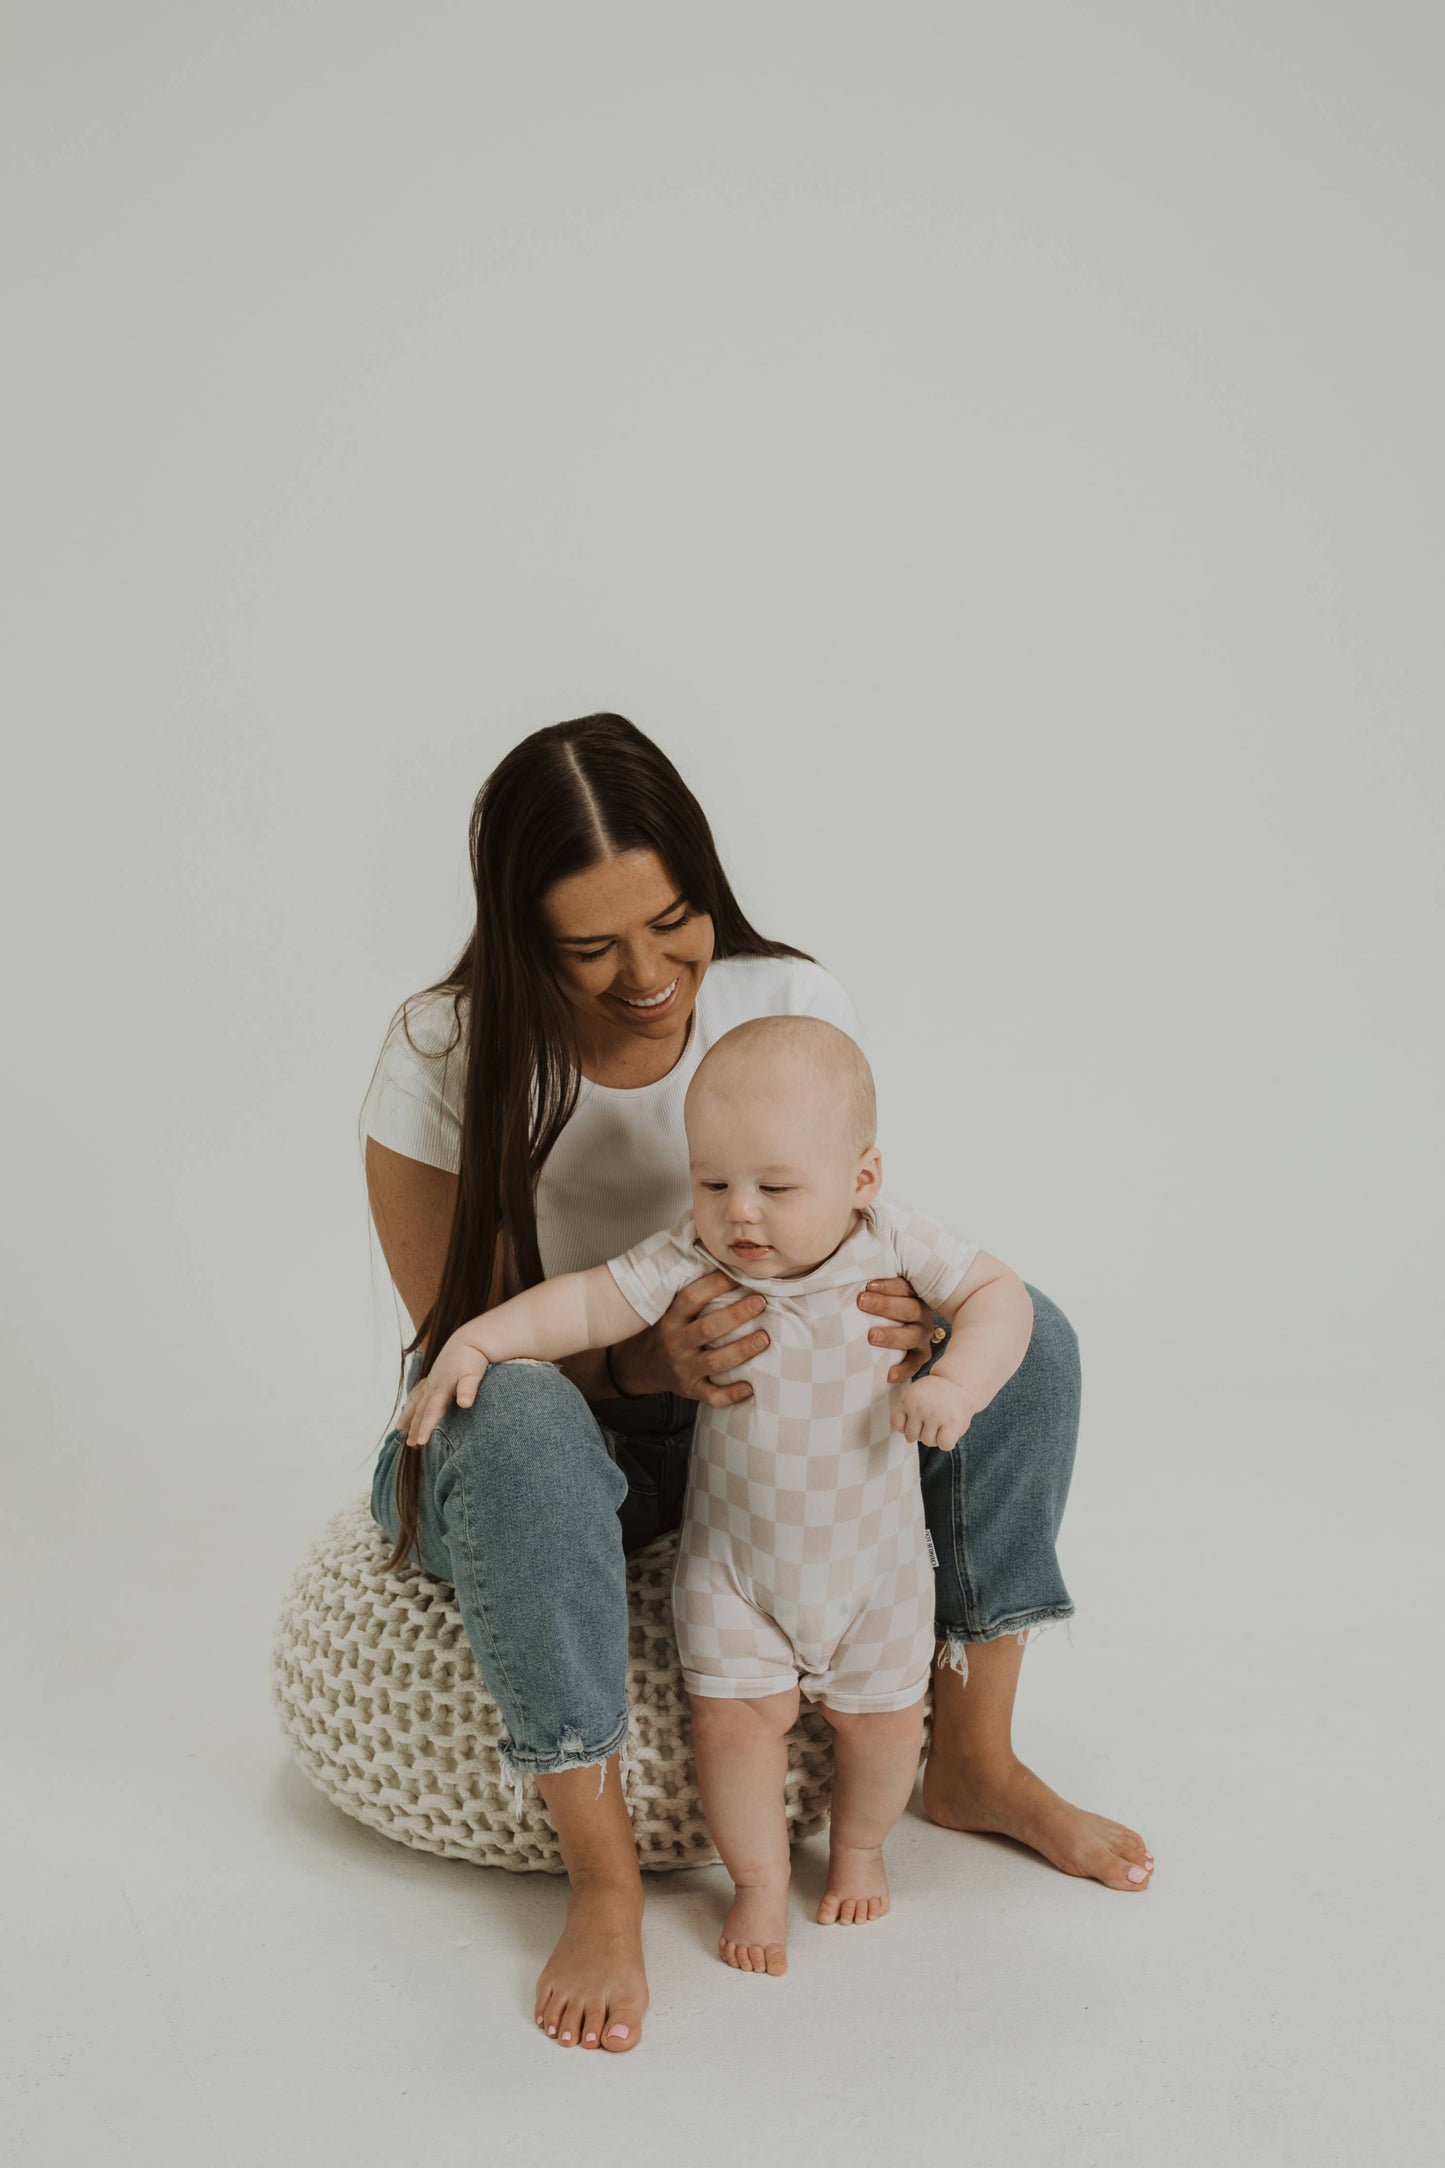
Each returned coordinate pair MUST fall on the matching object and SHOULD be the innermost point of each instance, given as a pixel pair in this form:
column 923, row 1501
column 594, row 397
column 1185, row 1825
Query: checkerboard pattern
column 803, row 1553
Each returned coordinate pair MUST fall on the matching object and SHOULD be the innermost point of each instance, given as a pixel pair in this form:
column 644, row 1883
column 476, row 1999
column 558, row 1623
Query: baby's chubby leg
column 875, row 1763
column 741, row 1751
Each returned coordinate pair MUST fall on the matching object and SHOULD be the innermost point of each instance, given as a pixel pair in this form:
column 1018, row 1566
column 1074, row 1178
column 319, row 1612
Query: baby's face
column 774, row 1189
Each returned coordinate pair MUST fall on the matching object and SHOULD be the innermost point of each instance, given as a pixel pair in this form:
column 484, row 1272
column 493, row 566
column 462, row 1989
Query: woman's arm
column 411, row 1207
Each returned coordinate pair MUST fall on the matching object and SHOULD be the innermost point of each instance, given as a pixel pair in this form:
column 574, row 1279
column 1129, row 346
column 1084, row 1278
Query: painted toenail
column 566, row 2036
column 551, row 2032
column 620, row 2032
column 1137, row 1874
column 592, row 2036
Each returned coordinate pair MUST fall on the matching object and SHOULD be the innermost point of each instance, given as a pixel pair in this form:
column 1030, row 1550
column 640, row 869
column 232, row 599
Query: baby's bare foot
column 754, row 1936
column 857, row 1886
column 592, row 1990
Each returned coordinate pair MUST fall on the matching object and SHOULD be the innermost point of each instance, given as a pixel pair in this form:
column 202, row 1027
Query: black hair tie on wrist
column 612, row 1379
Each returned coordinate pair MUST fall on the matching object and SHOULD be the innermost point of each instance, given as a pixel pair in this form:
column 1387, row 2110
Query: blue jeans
column 532, row 1497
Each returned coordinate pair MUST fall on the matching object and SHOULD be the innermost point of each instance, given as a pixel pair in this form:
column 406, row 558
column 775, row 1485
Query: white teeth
column 656, row 1001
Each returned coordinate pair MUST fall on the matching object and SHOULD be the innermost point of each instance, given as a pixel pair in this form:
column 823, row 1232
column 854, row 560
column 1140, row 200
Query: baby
column 803, row 1562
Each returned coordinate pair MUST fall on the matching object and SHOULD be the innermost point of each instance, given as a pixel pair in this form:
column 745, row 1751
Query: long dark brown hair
column 568, row 797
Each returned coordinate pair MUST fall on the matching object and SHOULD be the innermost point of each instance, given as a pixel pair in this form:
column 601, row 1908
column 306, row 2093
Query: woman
column 527, row 1111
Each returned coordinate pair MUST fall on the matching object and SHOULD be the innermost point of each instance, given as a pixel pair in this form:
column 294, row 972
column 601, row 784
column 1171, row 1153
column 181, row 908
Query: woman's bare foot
column 593, row 1990
column 755, row 1932
column 857, row 1886
column 1012, row 1802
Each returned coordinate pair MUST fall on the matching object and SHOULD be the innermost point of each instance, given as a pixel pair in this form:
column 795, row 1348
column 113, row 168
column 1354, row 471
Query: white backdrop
column 997, row 454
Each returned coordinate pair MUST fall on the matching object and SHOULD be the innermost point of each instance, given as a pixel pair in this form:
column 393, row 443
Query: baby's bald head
column 795, row 1063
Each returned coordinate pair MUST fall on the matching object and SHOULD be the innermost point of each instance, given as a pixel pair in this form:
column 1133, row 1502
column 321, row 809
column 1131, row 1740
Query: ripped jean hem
column 572, row 1754
column 1024, row 1626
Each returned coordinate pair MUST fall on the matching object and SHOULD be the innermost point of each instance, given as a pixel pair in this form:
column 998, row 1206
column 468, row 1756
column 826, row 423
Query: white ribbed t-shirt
column 618, row 1172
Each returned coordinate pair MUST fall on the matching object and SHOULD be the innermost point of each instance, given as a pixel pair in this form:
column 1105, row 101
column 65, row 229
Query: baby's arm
column 557, row 1317
column 991, row 1321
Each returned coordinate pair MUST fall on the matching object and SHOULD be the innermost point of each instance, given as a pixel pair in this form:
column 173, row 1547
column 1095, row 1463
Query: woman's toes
column 1130, row 1866
column 1131, row 1871
column 592, row 2026
column 621, row 2033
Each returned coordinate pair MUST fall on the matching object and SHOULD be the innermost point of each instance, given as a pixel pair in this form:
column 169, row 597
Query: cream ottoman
column 381, row 1700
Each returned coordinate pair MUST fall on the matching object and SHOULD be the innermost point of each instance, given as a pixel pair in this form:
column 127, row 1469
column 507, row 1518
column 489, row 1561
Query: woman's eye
column 593, row 955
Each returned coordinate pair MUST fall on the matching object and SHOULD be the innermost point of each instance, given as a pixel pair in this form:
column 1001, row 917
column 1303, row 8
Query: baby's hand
column 455, row 1375
column 930, row 1411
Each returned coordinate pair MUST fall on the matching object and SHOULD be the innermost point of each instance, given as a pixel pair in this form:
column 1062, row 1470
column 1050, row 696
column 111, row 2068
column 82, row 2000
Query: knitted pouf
column 381, row 1699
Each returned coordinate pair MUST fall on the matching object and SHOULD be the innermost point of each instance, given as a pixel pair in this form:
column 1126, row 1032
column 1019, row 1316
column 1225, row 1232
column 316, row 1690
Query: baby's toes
column 877, row 1906
column 828, row 1910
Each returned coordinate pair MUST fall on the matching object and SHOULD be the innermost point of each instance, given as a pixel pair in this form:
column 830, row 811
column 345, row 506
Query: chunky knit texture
column 381, row 1700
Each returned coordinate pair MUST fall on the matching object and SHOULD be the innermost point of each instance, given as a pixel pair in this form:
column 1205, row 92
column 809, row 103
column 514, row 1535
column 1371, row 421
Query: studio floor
column 209, row 1963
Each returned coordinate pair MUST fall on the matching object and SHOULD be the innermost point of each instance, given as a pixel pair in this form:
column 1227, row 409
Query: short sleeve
column 930, row 1256
column 414, row 1104
column 818, row 993
column 651, row 1272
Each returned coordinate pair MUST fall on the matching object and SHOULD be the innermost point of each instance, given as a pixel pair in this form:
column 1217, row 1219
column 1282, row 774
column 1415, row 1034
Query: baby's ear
column 869, row 1178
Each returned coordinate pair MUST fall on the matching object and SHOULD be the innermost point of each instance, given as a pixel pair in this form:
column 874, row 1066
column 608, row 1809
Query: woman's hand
column 895, row 1299
column 678, row 1355
column 455, row 1375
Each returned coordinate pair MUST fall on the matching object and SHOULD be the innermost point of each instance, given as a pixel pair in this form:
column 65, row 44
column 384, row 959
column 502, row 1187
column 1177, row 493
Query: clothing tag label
column 932, row 1554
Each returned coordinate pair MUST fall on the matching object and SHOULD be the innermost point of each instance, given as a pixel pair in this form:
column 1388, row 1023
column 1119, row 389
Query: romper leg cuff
column 871, row 1704
column 709, row 1688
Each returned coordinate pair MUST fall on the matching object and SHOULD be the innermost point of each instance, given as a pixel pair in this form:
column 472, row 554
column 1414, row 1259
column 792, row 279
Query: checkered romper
column 803, row 1554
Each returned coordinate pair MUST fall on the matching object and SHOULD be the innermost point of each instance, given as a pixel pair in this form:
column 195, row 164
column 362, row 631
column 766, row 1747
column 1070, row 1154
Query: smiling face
column 779, row 1167
column 622, row 934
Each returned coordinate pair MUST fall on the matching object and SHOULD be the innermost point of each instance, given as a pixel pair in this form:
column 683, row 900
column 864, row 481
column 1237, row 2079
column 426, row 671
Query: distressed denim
column 532, row 1498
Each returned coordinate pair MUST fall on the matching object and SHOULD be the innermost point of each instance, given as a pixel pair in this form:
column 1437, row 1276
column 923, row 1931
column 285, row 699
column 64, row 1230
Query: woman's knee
column 529, row 1429
column 522, row 1406
column 1053, row 1345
